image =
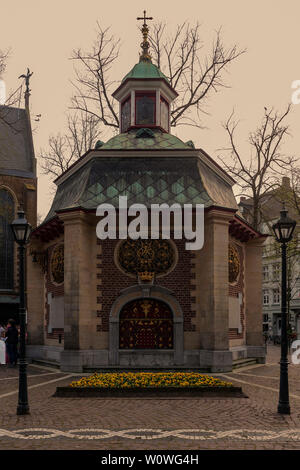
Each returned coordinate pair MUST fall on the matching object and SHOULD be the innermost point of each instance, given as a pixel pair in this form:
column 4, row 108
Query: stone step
column 45, row 362
column 243, row 362
column 115, row 368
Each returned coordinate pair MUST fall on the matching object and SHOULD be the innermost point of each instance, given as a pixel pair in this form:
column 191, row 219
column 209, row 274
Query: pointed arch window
column 7, row 210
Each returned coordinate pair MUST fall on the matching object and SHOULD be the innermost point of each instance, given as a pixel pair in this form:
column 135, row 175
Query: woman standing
column 12, row 342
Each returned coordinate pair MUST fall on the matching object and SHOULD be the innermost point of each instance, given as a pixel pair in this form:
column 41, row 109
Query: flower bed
column 148, row 384
column 149, row 379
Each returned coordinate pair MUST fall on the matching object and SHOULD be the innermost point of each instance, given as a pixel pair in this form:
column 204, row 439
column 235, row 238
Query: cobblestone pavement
column 196, row 423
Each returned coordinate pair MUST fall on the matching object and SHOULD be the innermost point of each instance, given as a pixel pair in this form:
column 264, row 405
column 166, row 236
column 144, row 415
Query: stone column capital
column 219, row 215
column 73, row 216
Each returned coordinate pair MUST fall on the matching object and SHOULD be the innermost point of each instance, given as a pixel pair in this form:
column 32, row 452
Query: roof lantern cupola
column 145, row 94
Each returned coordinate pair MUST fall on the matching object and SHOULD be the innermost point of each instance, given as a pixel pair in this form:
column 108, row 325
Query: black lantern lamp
column 284, row 227
column 283, row 230
column 21, row 230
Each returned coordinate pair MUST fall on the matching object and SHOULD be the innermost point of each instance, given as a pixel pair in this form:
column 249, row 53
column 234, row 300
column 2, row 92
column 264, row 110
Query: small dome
column 135, row 140
column 145, row 69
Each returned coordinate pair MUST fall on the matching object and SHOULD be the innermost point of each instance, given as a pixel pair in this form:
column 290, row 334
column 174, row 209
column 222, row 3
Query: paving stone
column 168, row 419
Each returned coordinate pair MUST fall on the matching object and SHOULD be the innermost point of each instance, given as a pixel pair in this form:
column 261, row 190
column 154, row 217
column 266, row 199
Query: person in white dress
column 2, row 346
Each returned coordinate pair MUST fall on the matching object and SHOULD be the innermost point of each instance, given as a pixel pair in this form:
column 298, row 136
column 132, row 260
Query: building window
column 265, row 272
column 265, row 328
column 145, row 109
column 276, row 296
column 265, row 318
column 264, row 251
column 125, row 115
column 7, row 210
column 265, row 297
column 276, row 272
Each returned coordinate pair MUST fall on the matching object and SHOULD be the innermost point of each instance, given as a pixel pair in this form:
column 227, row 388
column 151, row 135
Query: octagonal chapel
column 145, row 303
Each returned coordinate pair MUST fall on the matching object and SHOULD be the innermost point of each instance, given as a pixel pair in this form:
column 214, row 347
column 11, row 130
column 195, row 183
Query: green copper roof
column 145, row 70
column 146, row 180
column 130, row 140
column 143, row 180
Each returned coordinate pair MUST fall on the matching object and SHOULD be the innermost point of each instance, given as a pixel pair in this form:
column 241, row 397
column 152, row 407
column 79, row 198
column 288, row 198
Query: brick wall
column 112, row 280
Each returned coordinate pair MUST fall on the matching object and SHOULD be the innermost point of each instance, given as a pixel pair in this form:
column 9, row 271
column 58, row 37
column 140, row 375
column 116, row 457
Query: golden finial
column 145, row 56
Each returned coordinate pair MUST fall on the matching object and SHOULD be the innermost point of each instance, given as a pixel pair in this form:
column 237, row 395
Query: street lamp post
column 283, row 230
column 21, row 230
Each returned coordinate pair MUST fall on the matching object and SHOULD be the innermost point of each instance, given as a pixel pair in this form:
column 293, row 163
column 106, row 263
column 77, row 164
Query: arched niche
column 140, row 292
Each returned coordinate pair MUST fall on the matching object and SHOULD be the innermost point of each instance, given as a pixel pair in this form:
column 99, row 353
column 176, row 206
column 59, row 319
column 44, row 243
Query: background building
column 271, row 264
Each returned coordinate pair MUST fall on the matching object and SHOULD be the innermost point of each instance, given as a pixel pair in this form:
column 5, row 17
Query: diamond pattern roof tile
column 129, row 141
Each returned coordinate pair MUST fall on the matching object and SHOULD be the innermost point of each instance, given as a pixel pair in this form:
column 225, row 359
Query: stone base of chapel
column 206, row 360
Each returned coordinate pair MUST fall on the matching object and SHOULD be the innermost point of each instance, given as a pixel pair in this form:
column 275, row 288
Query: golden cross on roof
column 144, row 17
column 145, row 56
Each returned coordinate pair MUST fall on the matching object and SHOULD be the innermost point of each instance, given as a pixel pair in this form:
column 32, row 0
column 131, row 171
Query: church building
column 18, row 188
column 145, row 303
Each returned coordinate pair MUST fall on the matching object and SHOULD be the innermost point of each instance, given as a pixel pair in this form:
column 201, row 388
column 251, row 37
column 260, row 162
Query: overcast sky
column 42, row 34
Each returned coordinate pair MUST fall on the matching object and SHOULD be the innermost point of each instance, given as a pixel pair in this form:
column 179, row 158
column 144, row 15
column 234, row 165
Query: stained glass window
column 6, row 240
column 125, row 115
column 164, row 114
column 145, row 109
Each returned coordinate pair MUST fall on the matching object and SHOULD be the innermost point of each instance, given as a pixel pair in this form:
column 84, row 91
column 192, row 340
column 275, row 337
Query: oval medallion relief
column 136, row 256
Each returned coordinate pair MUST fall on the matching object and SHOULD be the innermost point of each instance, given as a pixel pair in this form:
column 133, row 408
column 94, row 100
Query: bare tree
column 257, row 174
column 93, row 84
column 194, row 75
column 64, row 149
column 195, row 78
column 290, row 193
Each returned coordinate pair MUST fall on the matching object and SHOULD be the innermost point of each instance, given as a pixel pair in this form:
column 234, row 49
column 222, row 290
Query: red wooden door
column 146, row 324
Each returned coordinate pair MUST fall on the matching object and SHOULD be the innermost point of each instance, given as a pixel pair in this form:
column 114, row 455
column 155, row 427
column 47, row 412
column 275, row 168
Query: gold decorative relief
column 146, row 324
column 146, row 256
column 233, row 264
column 57, row 264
